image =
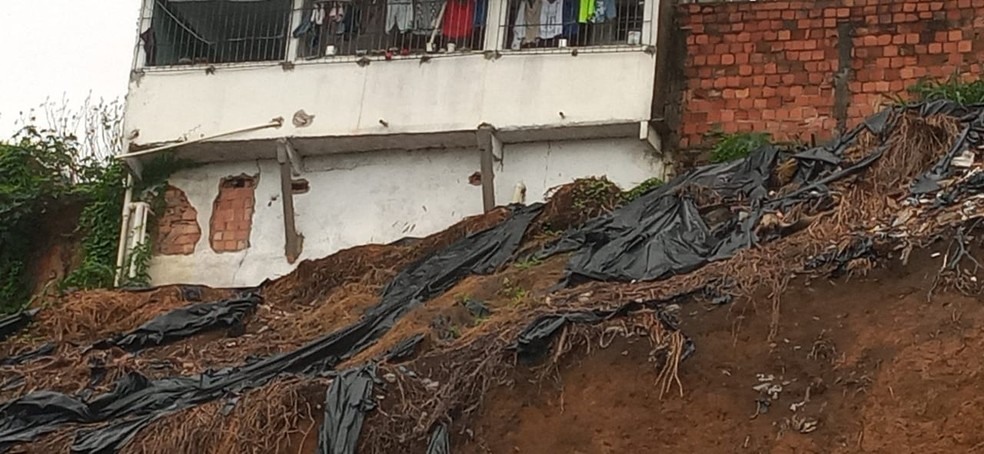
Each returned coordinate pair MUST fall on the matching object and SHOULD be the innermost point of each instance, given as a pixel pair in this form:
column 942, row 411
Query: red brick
column 936, row 48
column 955, row 35
column 728, row 59
column 965, row 46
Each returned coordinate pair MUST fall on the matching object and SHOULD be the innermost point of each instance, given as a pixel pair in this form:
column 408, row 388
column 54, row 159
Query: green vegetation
column 528, row 263
column 43, row 172
column 729, row 147
column 590, row 193
column 953, row 89
column 642, row 188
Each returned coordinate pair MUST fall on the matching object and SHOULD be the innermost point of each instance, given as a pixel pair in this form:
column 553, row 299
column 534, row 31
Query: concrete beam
column 296, row 160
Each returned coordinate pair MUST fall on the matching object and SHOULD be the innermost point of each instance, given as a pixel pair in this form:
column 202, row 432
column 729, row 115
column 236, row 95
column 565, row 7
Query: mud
column 887, row 372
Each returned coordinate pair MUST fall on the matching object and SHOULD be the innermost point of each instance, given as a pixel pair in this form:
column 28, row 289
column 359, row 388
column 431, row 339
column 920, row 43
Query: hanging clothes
column 519, row 28
column 425, row 16
column 481, row 12
column 532, row 20
column 571, row 9
column 586, row 11
column 605, row 10
column 399, row 14
column 551, row 19
column 459, row 19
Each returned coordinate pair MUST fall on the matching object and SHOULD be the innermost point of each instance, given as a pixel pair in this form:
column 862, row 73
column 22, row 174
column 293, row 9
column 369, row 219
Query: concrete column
column 292, row 240
column 486, row 139
column 495, row 20
column 144, row 22
column 651, row 14
column 295, row 19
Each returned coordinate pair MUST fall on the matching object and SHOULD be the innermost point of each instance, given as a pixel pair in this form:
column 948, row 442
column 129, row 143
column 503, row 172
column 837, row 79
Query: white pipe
column 124, row 230
column 139, row 232
column 275, row 123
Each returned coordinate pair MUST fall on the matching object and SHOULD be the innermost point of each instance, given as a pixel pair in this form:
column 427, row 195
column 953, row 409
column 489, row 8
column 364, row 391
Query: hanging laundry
column 399, row 14
column 532, row 19
column 605, row 10
column 571, row 8
column 586, row 12
column 551, row 19
column 425, row 16
column 459, row 19
column 481, row 12
column 519, row 28
column 318, row 14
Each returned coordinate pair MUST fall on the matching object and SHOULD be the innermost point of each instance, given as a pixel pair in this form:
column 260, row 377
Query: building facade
column 317, row 126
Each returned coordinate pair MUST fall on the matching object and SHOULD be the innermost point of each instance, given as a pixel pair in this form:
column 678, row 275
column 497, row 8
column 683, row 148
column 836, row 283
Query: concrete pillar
column 486, row 147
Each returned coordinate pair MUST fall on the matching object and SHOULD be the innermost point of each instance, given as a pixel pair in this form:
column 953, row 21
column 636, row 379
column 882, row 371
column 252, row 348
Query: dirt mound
column 868, row 364
column 785, row 361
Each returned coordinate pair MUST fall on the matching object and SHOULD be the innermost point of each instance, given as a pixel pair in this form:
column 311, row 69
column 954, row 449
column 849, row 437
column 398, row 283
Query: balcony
column 371, row 75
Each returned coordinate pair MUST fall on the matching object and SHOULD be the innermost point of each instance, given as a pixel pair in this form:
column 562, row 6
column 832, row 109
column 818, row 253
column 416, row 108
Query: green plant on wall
column 728, row 147
column 42, row 171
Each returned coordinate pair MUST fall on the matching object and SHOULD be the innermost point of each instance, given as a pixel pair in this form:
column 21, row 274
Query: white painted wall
column 380, row 197
column 451, row 93
column 542, row 166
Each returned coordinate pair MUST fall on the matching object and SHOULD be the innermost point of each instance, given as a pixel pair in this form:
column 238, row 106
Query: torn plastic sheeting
column 404, row 349
column 45, row 349
column 36, row 414
column 862, row 247
column 135, row 396
column 347, row 401
column 535, row 339
column 663, row 233
column 184, row 322
column 11, row 324
column 971, row 136
column 476, row 308
column 440, row 443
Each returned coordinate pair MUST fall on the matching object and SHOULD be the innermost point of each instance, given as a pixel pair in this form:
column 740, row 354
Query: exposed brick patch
column 776, row 66
column 232, row 214
column 178, row 231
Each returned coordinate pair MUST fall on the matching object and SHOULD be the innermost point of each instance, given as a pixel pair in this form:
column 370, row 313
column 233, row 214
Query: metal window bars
column 390, row 27
column 190, row 32
column 540, row 24
column 185, row 32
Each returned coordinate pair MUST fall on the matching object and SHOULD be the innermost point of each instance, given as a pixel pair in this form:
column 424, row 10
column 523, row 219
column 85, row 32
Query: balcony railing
column 185, row 32
column 543, row 24
column 390, row 28
column 192, row 32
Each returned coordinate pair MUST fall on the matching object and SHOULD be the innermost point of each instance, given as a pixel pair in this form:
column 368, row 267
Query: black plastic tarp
column 440, row 443
column 186, row 321
column 347, row 401
column 11, row 324
column 41, row 351
column 664, row 233
column 136, row 400
column 535, row 339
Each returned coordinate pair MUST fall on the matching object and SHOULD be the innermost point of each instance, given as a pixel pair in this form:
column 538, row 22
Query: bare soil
column 887, row 371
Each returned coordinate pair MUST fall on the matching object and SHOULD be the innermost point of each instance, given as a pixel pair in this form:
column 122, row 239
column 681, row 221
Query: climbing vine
column 43, row 172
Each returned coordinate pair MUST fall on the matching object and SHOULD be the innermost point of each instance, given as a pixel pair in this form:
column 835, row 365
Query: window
column 536, row 24
column 186, row 32
column 390, row 27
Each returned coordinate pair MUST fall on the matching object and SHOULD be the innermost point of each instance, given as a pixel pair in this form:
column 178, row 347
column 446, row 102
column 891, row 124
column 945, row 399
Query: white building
column 317, row 130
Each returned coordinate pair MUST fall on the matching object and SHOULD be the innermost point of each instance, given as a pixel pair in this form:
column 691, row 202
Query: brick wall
column 232, row 214
column 177, row 227
column 799, row 69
